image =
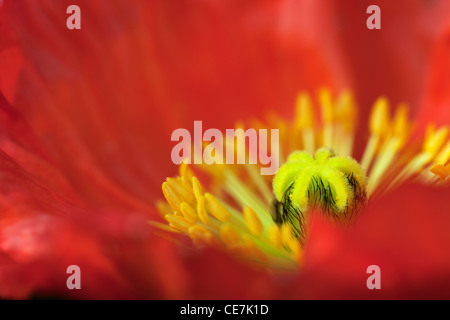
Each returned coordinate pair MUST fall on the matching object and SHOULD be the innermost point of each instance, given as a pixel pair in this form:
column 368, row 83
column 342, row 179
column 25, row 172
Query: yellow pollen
column 435, row 139
column 181, row 189
column 305, row 114
column 442, row 171
column 201, row 210
column 275, row 236
column 164, row 227
column 379, row 119
column 444, row 155
column 200, row 235
column 229, row 235
column 188, row 213
column 178, row 222
column 327, row 107
column 346, row 111
column 401, row 124
column 216, row 208
column 253, row 223
column 289, row 240
column 171, row 198
column 197, row 187
column 184, row 170
column 164, row 208
column 305, row 120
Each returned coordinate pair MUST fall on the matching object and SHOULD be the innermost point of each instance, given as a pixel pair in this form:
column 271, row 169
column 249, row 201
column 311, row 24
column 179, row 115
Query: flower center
column 335, row 184
column 268, row 227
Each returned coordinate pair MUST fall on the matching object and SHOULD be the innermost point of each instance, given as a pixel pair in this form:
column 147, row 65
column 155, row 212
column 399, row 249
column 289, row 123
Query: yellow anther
column 435, row 139
column 229, row 235
column 216, row 208
column 289, row 240
column 252, row 221
column 304, row 112
column 171, row 198
column 379, row 118
column 184, row 170
column 442, row 171
column 200, row 234
column 346, row 111
column 177, row 222
column 163, row 208
column 201, row 210
column 163, row 226
column 326, row 105
column 401, row 124
column 181, row 191
column 188, row 213
column 187, row 184
column 197, row 187
column 444, row 155
column 275, row 236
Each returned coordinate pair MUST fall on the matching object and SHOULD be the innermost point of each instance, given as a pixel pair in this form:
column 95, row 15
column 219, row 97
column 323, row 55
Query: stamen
column 188, row 213
column 181, row 190
column 438, row 168
column 216, row 208
column 253, row 223
column 289, row 240
column 229, row 235
column 396, row 139
column 201, row 210
column 435, row 139
column 163, row 226
column 171, row 198
column 379, row 124
column 197, row 188
column 328, row 117
column 275, row 236
column 178, row 222
column 305, row 121
column 433, row 142
column 346, row 120
column 201, row 235
column 442, row 171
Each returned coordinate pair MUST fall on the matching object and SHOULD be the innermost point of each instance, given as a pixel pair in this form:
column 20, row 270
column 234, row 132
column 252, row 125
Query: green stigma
column 334, row 184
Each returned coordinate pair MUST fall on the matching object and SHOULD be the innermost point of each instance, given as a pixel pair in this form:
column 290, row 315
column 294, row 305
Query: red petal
column 436, row 100
column 405, row 233
column 392, row 61
column 106, row 98
column 10, row 59
column 42, row 234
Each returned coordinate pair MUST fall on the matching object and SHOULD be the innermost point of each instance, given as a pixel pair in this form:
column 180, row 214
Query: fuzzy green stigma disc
column 334, row 184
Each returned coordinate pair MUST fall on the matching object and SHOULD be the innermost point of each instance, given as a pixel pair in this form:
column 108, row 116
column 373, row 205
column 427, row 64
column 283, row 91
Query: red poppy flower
column 86, row 118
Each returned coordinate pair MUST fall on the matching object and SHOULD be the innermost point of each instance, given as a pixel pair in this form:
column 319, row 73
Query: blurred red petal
column 112, row 92
column 391, row 61
column 41, row 234
column 405, row 233
column 216, row 275
column 10, row 59
column 436, row 100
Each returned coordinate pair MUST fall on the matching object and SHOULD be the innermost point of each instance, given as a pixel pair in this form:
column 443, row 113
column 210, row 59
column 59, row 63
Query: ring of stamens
column 246, row 219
